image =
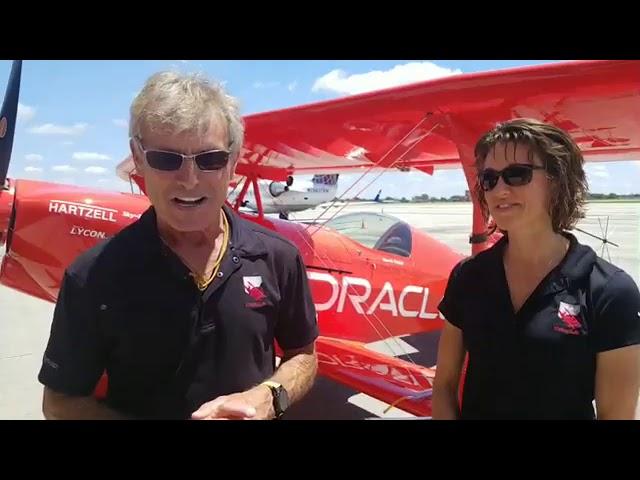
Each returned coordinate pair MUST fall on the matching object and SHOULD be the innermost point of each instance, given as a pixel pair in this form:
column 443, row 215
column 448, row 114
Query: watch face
column 280, row 401
column 283, row 399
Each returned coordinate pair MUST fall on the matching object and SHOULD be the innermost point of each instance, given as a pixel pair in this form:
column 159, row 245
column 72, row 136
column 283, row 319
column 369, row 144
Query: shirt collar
column 243, row 239
column 572, row 269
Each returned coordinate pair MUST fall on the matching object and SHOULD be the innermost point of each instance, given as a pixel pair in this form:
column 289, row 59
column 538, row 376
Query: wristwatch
column 280, row 397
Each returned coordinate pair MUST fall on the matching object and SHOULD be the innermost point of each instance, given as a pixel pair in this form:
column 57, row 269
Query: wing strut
column 400, row 157
column 256, row 193
column 249, row 179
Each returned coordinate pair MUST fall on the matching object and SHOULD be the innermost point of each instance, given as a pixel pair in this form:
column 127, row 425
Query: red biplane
column 380, row 286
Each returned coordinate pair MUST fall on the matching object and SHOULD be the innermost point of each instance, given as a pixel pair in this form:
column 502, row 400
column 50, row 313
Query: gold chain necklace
column 201, row 282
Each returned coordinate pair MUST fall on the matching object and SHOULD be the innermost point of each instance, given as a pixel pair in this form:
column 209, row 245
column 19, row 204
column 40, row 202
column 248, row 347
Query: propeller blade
column 8, row 116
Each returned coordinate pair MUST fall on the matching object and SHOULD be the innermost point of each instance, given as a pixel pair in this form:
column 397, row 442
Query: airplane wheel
column 284, row 216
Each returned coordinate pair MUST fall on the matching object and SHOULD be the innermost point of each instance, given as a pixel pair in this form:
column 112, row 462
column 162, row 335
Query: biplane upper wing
column 419, row 125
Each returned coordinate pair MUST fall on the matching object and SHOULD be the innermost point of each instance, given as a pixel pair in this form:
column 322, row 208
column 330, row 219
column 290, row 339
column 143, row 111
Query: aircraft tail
column 377, row 199
column 328, row 180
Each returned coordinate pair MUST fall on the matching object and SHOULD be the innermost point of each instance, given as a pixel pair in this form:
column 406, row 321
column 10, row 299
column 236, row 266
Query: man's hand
column 296, row 374
column 254, row 404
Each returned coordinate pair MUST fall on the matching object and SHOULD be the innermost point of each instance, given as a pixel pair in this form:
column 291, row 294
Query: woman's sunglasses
column 170, row 161
column 515, row 175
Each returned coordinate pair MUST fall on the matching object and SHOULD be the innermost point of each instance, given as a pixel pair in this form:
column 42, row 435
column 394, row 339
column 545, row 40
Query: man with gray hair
column 183, row 307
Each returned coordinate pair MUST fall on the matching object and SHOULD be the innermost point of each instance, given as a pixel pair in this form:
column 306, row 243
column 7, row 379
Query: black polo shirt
column 129, row 306
column 541, row 361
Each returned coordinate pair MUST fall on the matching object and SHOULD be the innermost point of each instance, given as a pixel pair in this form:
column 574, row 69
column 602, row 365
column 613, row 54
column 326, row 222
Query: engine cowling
column 52, row 224
column 277, row 188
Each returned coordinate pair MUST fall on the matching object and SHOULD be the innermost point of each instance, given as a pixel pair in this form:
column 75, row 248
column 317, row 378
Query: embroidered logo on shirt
column 253, row 288
column 570, row 322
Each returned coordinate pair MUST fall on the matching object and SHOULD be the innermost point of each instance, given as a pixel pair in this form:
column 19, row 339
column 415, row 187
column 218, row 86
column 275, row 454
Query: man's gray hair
column 174, row 103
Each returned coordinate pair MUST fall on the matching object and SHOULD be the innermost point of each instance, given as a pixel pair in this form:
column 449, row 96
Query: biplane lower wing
column 400, row 383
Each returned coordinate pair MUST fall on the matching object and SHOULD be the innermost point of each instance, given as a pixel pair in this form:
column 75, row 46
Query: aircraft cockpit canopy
column 375, row 230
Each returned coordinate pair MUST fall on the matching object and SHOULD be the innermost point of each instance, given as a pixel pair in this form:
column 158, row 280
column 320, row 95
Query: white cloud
column 67, row 143
column 96, row 170
column 90, row 156
column 265, row 84
column 597, row 171
column 63, row 168
column 292, row 86
column 53, row 129
column 25, row 112
column 33, row 157
column 338, row 81
column 619, row 177
column 33, row 169
column 120, row 122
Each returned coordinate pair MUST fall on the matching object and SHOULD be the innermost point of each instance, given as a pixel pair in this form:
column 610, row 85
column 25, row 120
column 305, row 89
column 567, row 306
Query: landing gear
column 284, row 215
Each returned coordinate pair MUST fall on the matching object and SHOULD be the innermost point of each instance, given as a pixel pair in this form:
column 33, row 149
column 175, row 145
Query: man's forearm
column 297, row 374
column 57, row 406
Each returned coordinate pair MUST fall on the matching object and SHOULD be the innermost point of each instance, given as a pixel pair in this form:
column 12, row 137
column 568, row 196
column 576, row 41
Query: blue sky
column 73, row 114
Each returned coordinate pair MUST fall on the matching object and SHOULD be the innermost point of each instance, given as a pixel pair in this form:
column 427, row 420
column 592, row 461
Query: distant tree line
column 466, row 198
column 612, row 196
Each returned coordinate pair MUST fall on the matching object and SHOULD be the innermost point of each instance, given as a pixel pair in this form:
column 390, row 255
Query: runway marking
column 393, row 346
column 377, row 407
column 16, row 356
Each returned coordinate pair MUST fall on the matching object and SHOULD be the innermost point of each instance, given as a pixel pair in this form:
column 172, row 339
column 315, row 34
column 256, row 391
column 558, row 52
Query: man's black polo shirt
column 540, row 362
column 130, row 307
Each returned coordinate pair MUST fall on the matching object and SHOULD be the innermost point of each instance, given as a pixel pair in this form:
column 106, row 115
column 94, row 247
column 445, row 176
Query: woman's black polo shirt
column 541, row 362
column 130, row 307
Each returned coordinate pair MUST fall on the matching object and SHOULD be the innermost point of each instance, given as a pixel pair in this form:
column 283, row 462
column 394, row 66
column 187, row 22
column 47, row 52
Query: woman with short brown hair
column 548, row 326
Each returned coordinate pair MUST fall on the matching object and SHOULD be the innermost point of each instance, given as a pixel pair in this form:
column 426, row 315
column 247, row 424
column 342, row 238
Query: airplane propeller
column 8, row 117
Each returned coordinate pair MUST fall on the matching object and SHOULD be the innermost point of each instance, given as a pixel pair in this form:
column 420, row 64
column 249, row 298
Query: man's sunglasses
column 170, row 161
column 515, row 175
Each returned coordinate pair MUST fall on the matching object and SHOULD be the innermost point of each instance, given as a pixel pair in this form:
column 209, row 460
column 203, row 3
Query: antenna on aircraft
column 605, row 241
column 8, row 116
